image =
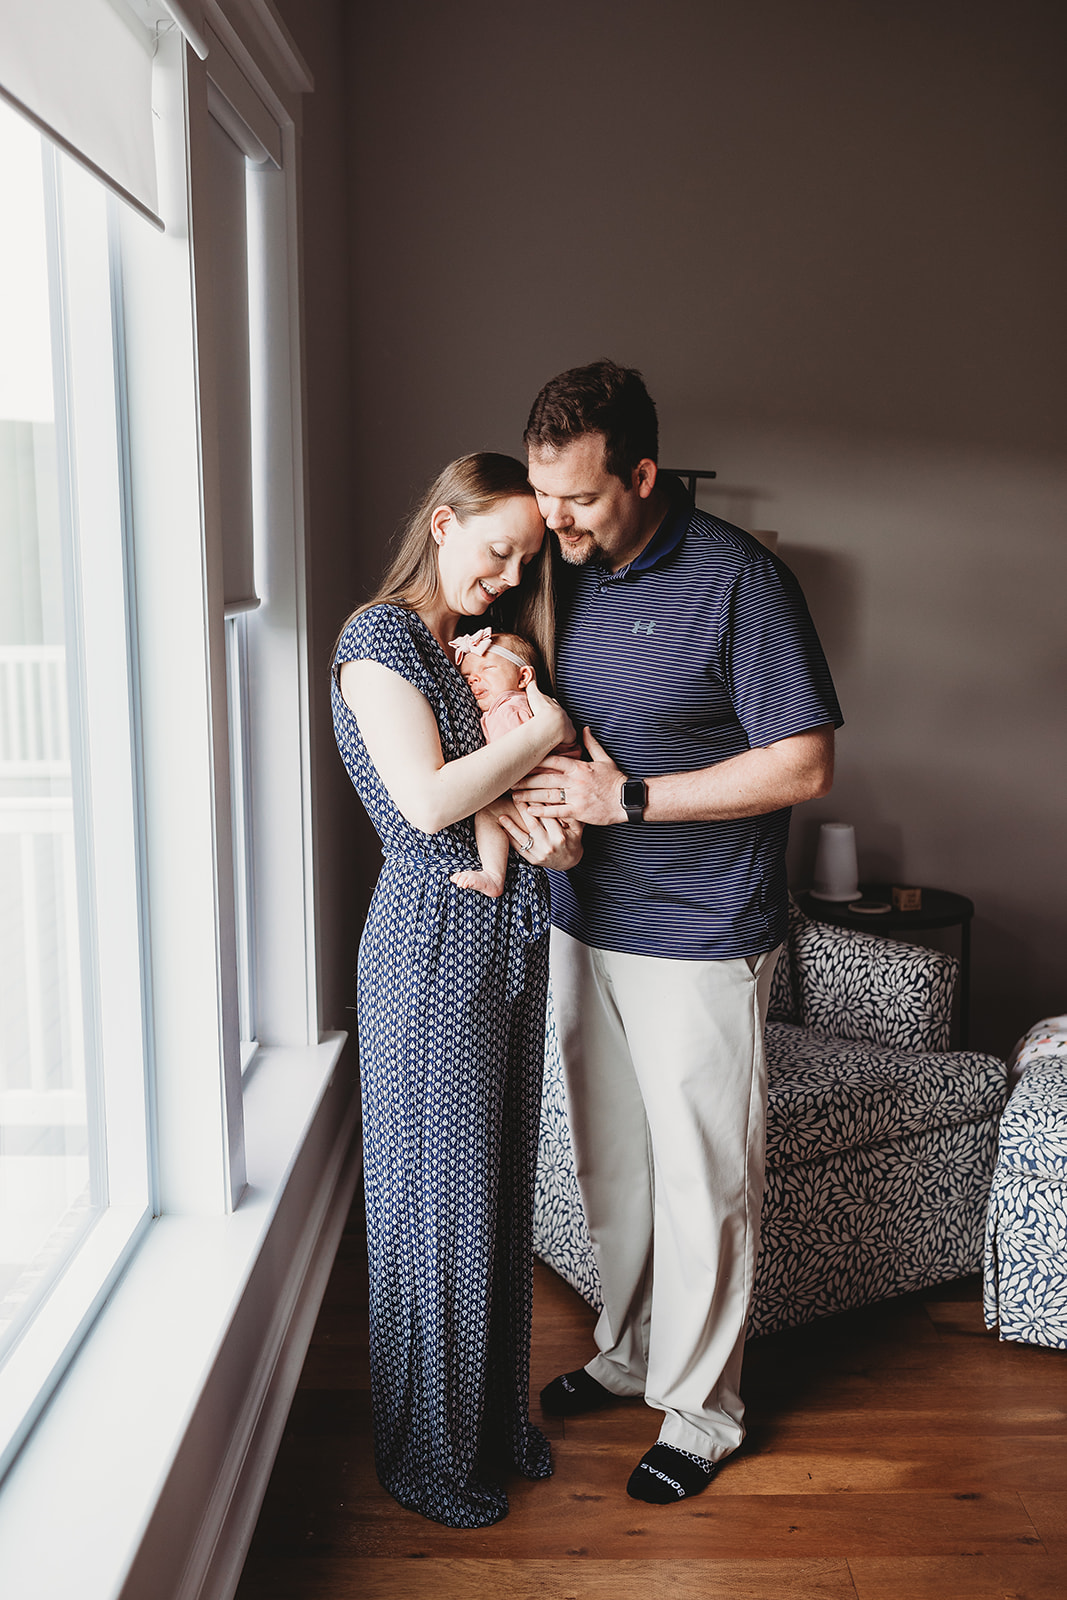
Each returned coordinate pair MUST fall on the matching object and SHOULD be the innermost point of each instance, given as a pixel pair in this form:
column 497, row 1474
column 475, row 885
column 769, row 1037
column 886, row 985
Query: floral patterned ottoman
column 881, row 1142
column 1026, row 1234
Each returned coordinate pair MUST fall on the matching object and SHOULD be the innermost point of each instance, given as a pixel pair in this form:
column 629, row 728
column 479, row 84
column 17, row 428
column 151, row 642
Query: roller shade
column 81, row 71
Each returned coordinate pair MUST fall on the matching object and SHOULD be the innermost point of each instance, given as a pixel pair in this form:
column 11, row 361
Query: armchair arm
column 860, row 986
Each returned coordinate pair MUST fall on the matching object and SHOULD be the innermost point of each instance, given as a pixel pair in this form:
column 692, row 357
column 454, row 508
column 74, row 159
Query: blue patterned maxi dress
column 451, row 1006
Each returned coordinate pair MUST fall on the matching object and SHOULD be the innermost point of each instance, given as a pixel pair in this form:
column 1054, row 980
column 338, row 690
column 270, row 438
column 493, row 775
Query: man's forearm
column 747, row 785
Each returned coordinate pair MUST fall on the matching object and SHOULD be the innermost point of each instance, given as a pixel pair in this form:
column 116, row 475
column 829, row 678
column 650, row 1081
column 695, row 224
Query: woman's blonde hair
column 470, row 487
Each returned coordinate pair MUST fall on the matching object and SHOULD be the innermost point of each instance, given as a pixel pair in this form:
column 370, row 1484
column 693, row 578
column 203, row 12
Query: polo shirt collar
column 663, row 543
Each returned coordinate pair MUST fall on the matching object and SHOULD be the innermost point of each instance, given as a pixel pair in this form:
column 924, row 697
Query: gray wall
column 831, row 235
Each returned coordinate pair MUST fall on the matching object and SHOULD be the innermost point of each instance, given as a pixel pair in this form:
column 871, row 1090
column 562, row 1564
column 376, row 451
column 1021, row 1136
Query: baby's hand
column 542, row 705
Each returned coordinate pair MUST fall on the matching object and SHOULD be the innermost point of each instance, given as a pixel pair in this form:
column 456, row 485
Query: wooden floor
column 895, row 1453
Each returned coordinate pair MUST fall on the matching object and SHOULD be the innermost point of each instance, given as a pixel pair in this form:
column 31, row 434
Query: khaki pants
column 667, row 1094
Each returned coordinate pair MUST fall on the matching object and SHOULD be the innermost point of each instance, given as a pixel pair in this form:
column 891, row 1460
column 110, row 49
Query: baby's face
column 490, row 676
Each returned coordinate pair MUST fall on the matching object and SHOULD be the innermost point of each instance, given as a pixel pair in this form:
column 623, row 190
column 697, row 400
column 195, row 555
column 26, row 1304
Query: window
column 44, row 1131
column 178, row 892
column 73, row 1131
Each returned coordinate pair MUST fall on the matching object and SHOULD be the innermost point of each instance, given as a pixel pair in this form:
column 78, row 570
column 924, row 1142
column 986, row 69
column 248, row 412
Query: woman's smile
column 503, row 540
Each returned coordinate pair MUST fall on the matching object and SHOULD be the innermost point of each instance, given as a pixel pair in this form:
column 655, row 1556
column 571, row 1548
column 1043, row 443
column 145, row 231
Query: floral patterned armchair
column 881, row 1141
column 1026, row 1234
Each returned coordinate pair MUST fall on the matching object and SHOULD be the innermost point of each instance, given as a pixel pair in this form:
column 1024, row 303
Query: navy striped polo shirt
column 701, row 648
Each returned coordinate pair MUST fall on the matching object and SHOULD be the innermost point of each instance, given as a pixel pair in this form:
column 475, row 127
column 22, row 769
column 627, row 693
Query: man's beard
column 579, row 555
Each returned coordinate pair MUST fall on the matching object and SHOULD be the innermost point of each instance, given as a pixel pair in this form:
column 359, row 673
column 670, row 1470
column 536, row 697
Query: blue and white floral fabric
column 828, row 1095
column 880, row 1148
column 1026, row 1235
column 783, row 1005
column 858, row 986
column 1046, row 1041
column 561, row 1237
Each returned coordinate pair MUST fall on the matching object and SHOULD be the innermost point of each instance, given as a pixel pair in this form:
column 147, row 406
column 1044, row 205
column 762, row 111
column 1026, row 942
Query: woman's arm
column 402, row 739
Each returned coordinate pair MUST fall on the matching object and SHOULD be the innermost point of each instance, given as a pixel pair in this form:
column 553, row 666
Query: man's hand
column 575, row 791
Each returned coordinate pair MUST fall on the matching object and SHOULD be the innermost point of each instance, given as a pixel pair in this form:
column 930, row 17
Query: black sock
column 574, row 1392
column 665, row 1474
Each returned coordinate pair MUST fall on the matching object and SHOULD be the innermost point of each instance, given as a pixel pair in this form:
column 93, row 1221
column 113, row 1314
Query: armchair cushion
column 829, row 1095
column 859, row 986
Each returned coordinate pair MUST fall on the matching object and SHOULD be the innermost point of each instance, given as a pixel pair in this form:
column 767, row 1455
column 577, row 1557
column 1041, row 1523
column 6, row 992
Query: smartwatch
column 634, row 799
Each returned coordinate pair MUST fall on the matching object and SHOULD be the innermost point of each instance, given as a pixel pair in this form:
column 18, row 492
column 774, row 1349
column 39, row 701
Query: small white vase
column 836, row 873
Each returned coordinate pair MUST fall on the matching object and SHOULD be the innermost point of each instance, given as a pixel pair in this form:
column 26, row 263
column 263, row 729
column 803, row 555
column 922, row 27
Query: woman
column 451, row 998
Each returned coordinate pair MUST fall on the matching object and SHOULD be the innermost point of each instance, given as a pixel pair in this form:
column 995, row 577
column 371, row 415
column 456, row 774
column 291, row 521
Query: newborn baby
column 497, row 667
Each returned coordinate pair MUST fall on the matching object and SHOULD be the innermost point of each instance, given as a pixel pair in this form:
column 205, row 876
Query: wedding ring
column 563, row 797
column 529, row 843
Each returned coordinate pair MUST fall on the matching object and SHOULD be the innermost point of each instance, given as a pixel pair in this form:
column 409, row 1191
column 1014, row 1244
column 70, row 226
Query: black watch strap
column 634, row 799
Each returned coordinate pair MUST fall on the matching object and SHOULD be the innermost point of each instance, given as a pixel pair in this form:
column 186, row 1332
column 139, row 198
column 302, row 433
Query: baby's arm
column 493, row 847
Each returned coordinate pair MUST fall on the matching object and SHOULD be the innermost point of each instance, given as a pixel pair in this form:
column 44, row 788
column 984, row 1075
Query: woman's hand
column 541, row 840
column 542, row 705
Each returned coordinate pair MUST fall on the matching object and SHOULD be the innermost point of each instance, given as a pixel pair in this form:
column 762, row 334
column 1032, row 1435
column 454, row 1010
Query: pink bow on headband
column 472, row 644
column 481, row 644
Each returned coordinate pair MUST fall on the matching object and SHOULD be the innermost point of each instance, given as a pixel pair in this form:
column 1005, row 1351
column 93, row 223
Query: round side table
column 940, row 909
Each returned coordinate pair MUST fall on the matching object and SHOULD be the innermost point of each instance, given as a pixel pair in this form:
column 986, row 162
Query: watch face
column 634, row 794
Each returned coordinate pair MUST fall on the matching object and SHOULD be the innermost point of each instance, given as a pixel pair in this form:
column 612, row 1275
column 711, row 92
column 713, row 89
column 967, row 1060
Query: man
column 687, row 654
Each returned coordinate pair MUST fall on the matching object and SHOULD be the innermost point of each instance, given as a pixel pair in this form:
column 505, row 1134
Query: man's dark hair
column 600, row 398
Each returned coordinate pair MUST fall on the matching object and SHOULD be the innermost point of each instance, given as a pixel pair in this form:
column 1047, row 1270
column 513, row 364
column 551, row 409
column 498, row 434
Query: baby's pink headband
column 481, row 644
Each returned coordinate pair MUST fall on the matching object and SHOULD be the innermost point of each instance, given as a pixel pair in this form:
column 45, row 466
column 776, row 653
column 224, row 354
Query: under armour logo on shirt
column 643, row 627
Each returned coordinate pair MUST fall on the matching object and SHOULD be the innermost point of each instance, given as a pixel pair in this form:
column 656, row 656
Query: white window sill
column 76, row 1502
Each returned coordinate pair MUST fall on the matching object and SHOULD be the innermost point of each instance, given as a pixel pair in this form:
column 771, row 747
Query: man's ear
column 440, row 522
column 644, row 479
